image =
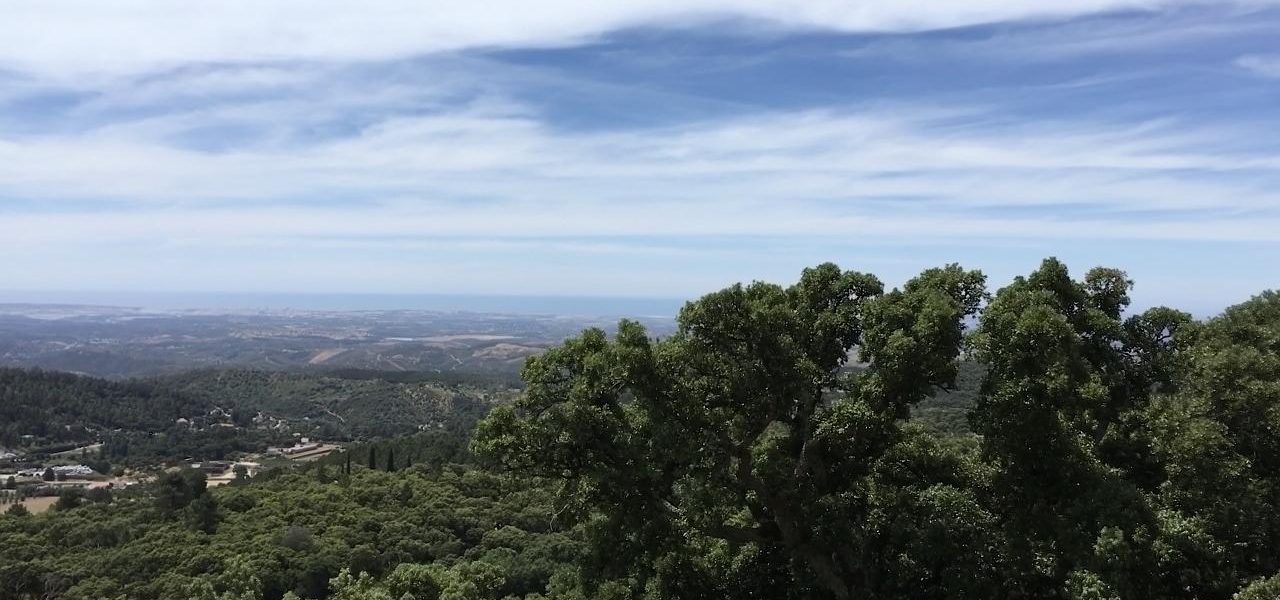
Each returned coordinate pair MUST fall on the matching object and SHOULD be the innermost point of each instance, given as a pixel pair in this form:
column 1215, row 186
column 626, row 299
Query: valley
column 119, row 342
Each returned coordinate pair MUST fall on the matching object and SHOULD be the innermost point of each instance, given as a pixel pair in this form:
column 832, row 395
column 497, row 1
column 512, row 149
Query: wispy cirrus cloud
column 1263, row 65
column 444, row 175
column 80, row 36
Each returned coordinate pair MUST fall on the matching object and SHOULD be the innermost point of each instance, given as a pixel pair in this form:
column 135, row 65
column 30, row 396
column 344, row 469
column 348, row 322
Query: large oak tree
column 749, row 437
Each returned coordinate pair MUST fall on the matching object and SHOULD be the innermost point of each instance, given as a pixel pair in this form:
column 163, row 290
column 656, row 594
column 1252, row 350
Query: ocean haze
column 587, row 306
column 177, row 333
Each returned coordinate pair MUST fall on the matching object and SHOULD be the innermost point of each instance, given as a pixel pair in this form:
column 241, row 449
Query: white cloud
column 484, row 173
column 300, row 227
column 1263, row 65
column 69, row 38
column 489, row 154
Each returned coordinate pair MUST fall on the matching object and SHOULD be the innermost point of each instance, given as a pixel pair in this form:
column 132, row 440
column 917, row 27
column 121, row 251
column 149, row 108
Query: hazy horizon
column 319, row 301
column 515, row 304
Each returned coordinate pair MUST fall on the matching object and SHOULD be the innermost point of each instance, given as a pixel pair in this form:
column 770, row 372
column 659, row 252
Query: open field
column 40, row 504
column 78, row 452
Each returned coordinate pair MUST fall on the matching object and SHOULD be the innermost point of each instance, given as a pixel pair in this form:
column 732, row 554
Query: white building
column 73, row 470
column 295, row 449
column 65, row 470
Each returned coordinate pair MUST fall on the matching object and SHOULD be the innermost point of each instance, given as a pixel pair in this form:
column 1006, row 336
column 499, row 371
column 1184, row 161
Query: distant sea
column 529, row 305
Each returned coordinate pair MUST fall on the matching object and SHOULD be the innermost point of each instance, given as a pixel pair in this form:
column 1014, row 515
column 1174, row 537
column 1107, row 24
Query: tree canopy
column 766, row 449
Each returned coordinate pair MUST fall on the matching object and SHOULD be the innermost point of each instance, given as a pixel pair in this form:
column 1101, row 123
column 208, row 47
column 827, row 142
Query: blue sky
column 647, row 148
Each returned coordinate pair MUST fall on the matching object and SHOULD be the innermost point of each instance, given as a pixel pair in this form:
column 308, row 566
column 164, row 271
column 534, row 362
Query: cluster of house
column 212, row 466
column 221, row 472
column 217, row 418
column 64, row 470
column 303, row 445
column 221, row 417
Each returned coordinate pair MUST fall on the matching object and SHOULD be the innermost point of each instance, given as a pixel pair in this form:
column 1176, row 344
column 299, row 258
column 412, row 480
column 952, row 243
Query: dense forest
column 454, row 532
column 211, row 414
column 828, row 440
column 350, row 403
column 57, row 407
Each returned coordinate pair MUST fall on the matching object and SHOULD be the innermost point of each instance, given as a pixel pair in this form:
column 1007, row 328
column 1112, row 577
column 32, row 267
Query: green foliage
column 946, row 413
column 69, row 499
column 202, row 514
column 289, row 533
column 1218, row 440
column 64, row 408
column 1066, row 379
column 213, row 415
column 729, row 437
column 419, row 581
column 326, row 405
column 356, row 587
column 1117, row 456
column 433, row 449
column 178, row 488
column 1083, row 585
column 1133, row 457
column 1263, row 589
column 1060, row 449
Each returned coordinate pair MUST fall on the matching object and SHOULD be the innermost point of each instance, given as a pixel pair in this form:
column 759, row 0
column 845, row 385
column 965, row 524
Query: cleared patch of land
column 505, row 352
column 323, row 356
column 40, row 503
column 76, row 452
column 467, row 337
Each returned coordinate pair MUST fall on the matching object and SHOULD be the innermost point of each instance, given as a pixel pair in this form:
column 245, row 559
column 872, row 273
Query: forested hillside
column 457, row 532
column 59, row 408
column 1081, row 452
column 352, row 404
column 209, row 414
